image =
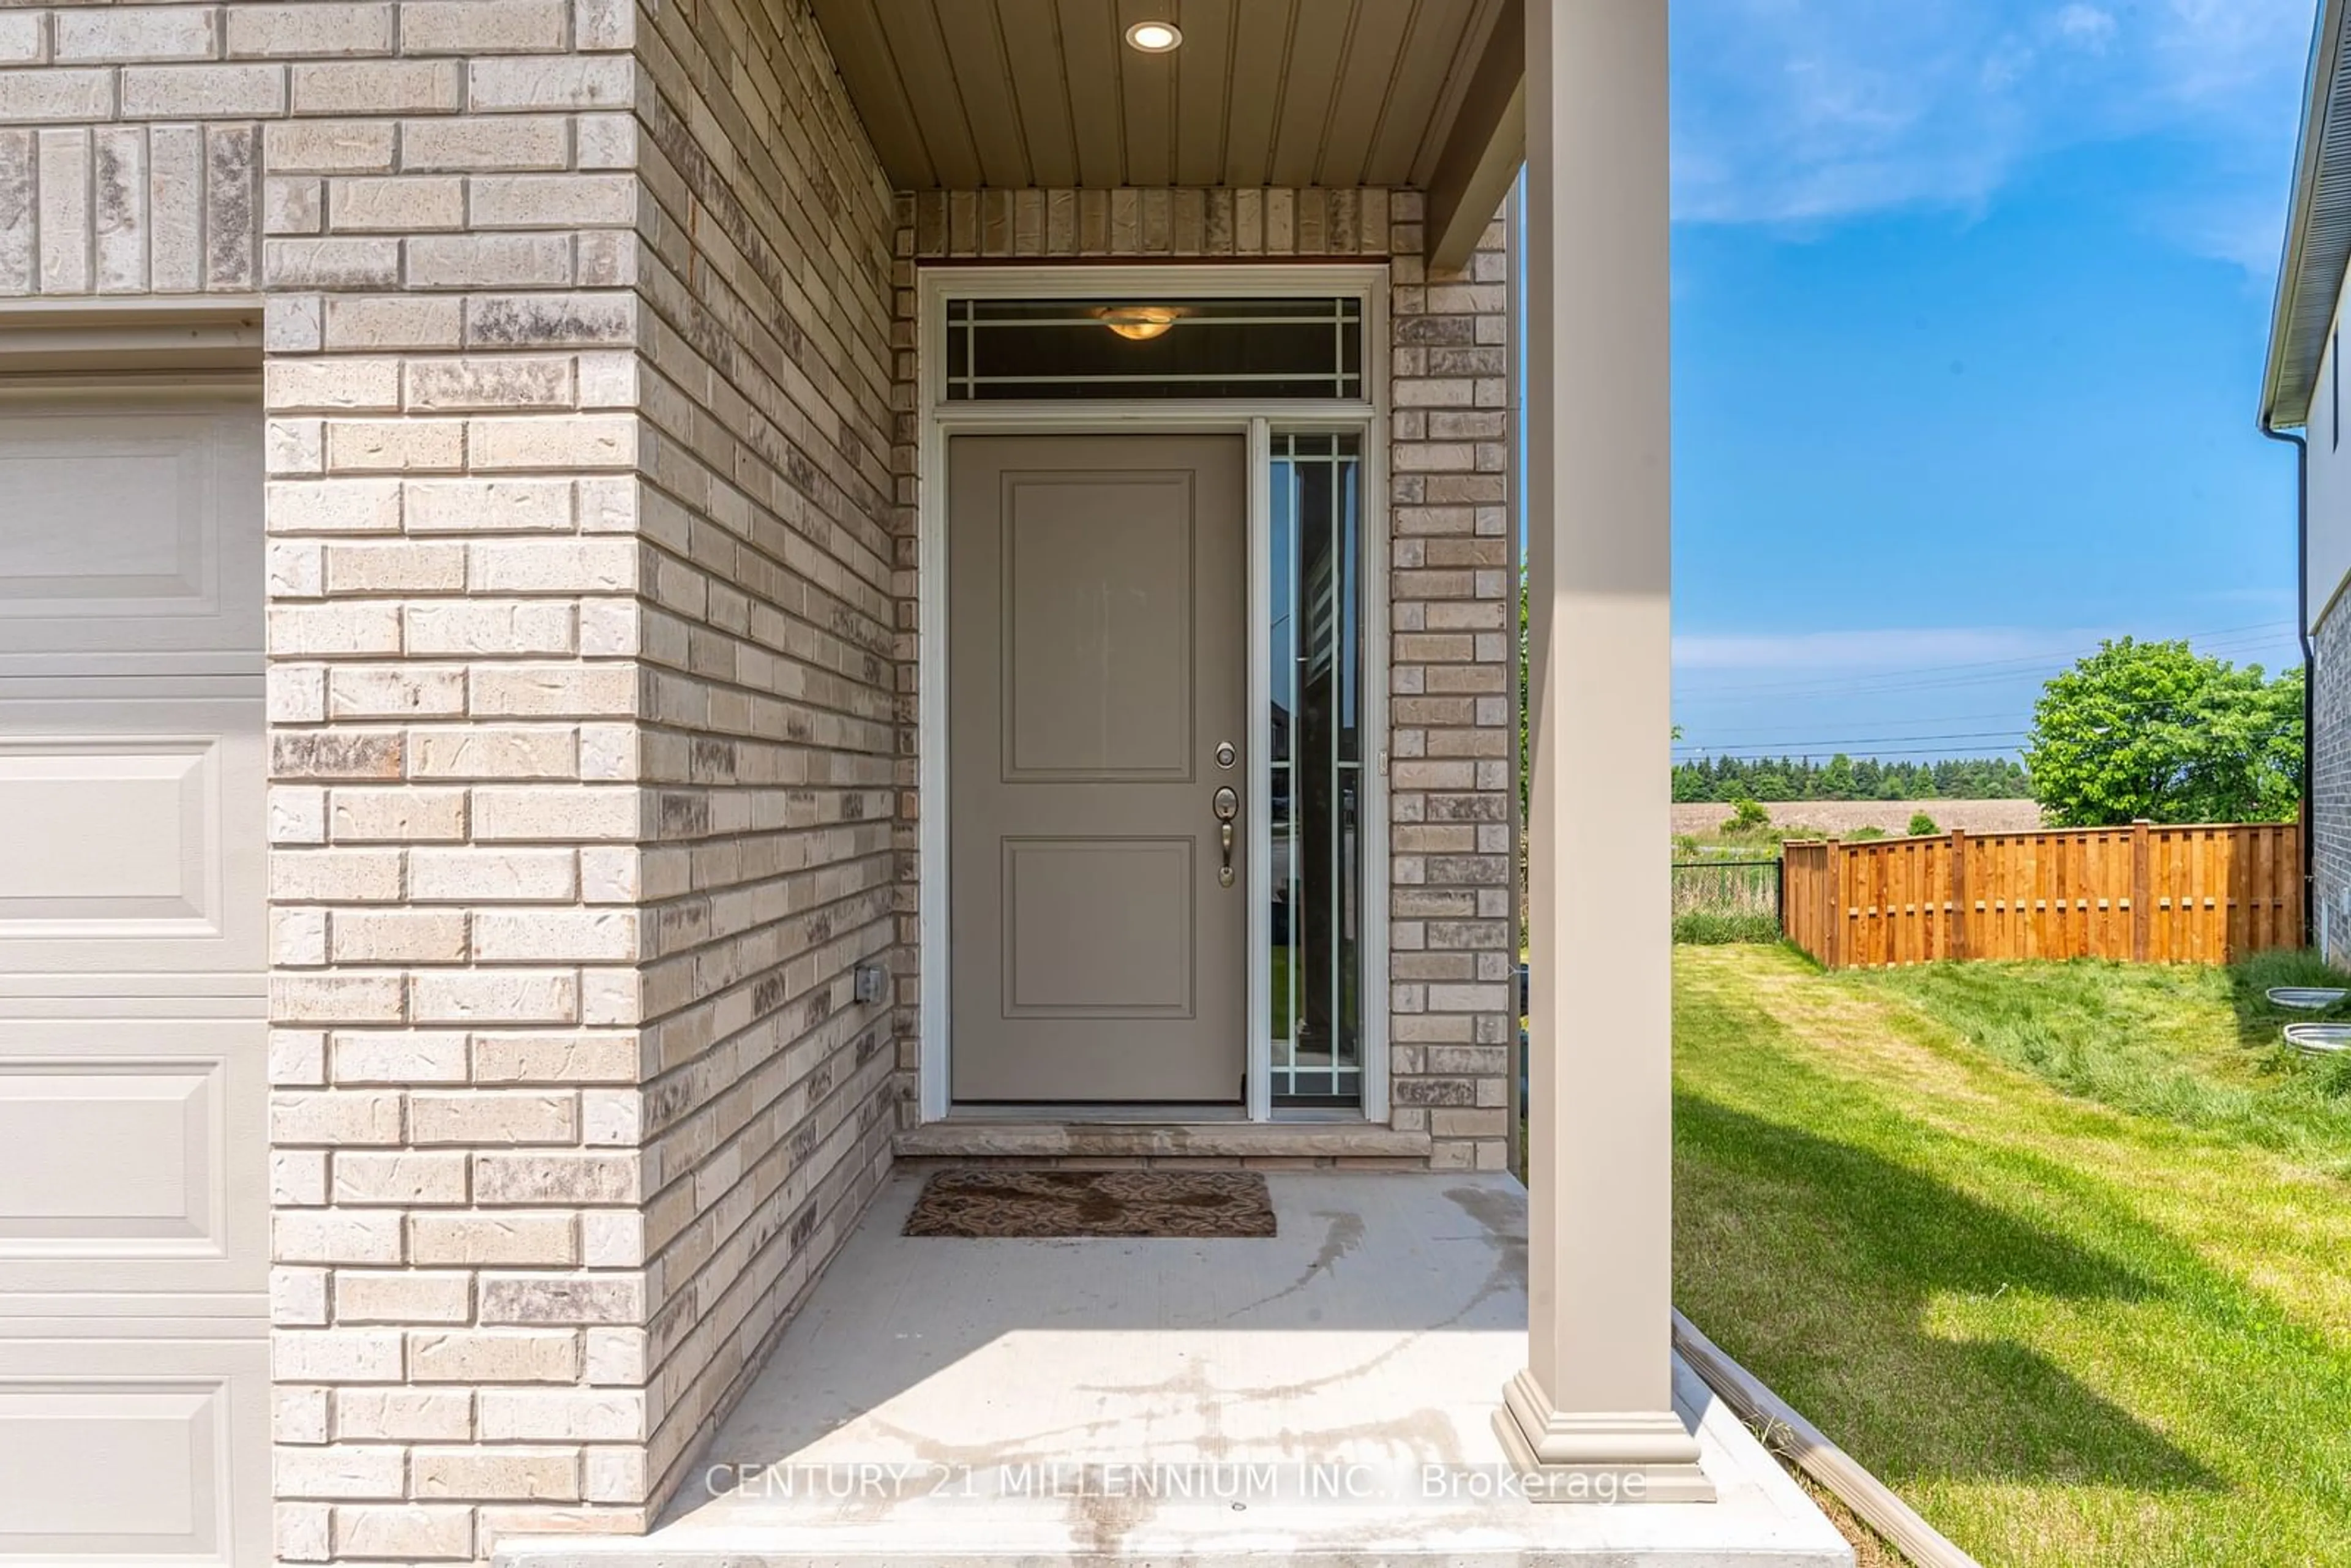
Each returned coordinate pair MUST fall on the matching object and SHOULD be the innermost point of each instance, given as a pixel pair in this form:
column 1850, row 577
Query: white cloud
column 2232, row 58
column 2086, row 26
column 1807, row 111
column 2248, row 229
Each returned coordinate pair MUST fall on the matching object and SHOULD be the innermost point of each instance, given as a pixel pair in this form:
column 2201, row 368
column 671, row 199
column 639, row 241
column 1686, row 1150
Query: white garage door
column 133, row 1317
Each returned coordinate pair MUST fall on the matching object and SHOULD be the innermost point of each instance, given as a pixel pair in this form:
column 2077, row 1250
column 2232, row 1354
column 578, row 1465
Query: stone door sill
column 954, row 1139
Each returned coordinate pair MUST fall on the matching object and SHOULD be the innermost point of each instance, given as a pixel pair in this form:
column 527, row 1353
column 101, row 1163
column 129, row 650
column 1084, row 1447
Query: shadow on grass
column 1816, row 1263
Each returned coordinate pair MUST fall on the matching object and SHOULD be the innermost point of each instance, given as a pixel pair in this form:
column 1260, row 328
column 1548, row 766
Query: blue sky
column 1970, row 298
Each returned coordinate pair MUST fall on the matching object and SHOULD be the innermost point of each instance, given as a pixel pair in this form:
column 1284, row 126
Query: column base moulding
column 1616, row 1457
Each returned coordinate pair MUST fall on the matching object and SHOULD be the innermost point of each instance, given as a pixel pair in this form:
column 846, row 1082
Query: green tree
column 1922, row 826
column 2156, row 730
column 1838, row 778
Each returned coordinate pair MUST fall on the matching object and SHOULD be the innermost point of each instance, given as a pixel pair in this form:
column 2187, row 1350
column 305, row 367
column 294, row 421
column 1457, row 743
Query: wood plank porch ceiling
column 964, row 94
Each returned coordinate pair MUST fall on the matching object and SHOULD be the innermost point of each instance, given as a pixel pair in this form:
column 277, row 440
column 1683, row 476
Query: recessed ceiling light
column 1153, row 37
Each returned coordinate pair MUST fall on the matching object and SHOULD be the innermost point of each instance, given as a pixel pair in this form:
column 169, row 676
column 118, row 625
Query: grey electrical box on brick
column 872, row 980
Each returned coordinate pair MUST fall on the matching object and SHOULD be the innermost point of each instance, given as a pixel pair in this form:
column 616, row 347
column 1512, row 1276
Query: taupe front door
column 1097, row 608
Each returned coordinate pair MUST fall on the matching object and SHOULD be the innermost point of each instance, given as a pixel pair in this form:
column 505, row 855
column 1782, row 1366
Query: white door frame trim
column 1255, row 420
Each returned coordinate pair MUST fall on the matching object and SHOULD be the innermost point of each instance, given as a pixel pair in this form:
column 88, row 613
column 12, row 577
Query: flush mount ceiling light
column 1140, row 323
column 1153, row 37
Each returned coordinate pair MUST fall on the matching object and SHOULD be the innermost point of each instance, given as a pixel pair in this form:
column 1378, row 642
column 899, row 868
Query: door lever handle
column 1227, row 804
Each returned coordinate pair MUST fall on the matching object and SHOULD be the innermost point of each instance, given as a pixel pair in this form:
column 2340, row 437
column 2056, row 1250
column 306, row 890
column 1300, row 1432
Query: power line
column 1783, row 755
column 2227, row 639
column 1867, row 687
column 1806, row 752
column 1727, row 742
column 1939, row 718
column 1977, row 751
column 1904, row 681
column 1858, row 739
column 2028, row 659
column 1846, row 745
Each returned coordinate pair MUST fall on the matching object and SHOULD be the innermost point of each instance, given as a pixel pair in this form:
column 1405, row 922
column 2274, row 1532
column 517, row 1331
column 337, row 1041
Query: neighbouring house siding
column 2327, row 549
column 769, row 734
column 2328, row 566
column 1453, row 598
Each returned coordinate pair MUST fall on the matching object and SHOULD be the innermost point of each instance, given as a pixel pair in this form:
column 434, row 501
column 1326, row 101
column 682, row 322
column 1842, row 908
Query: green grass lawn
column 2062, row 1252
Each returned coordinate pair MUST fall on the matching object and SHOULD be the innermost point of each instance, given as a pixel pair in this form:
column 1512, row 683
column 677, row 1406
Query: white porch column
column 1595, row 1399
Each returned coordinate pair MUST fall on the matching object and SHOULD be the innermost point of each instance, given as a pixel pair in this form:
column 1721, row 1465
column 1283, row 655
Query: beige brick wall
column 1452, row 594
column 1453, row 705
column 770, row 732
column 1275, row 222
column 460, row 546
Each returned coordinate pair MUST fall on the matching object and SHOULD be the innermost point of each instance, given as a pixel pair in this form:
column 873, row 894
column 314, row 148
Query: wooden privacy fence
column 2156, row 895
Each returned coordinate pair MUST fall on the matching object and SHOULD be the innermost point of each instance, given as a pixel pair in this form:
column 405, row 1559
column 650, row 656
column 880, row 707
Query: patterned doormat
column 1092, row 1203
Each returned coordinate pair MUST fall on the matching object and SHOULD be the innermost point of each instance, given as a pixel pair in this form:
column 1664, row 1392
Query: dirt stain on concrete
column 1343, row 1233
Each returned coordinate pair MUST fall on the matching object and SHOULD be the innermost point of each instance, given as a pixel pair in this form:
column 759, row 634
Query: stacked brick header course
column 145, row 149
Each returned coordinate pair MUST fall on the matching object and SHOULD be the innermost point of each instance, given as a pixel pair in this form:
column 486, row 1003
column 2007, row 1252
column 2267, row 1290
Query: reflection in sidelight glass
column 1317, row 762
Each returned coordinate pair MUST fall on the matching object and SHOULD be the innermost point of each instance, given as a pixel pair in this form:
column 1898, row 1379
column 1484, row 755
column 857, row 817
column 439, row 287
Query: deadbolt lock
column 1226, row 754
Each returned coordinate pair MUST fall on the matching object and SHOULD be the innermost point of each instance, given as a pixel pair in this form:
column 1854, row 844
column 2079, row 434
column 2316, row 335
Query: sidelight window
column 1318, row 788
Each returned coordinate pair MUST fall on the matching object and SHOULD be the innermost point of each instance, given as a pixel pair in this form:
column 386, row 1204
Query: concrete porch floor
column 1322, row 1397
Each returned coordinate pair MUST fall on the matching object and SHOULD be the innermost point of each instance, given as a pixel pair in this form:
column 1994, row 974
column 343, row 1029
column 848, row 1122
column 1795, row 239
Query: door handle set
column 1227, row 804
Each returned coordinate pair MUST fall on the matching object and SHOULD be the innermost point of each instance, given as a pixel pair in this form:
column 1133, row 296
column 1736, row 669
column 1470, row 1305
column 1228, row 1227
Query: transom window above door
column 1002, row 350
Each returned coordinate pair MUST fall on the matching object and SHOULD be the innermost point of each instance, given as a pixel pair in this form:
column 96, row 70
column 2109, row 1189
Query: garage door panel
column 115, row 833
column 132, row 1154
column 135, row 833
column 98, row 1160
column 133, row 1451
column 128, row 531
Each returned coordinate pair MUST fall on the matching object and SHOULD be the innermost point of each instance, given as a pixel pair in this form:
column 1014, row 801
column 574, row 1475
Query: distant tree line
column 1842, row 778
